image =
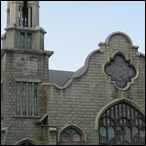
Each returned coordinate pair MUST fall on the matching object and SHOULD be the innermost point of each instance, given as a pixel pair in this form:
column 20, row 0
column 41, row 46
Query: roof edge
column 75, row 75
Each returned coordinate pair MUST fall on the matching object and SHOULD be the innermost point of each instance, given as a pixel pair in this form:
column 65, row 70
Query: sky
column 75, row 28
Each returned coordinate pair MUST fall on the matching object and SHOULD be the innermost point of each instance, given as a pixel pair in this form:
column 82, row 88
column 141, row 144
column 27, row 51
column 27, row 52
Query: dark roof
column 59, row 77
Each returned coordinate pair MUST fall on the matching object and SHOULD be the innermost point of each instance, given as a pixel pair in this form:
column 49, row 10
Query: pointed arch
column 110, row 104
column 27, row 140
column 121, row 122
column 76, row 128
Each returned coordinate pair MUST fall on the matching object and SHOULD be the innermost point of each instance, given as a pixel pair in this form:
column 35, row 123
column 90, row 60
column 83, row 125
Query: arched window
column 26, row 141
column 122, row 124
column 70, row 136
column 25, row 13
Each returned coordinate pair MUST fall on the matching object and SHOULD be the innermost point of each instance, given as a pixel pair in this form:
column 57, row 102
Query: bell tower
column 23, row 30
column 24, row 66
column 20, row 13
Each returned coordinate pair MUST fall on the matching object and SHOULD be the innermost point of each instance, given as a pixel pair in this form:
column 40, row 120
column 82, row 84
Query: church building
column 102, row 103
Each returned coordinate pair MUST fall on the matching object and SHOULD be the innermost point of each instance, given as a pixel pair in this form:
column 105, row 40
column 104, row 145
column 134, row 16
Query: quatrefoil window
column 120, row 71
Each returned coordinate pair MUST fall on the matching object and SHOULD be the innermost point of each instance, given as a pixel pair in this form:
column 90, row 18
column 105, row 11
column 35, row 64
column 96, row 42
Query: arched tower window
column 70, row 136
column 122, row 124
column 25, row 14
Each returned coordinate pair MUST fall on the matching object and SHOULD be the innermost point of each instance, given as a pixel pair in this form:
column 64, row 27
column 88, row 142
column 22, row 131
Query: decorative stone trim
column 27, row 80
column 121, row 33
column 140, row 54
column 52, row 129
column 4, row 130
column 117, row 72
column 30, row 117
column 14, row 50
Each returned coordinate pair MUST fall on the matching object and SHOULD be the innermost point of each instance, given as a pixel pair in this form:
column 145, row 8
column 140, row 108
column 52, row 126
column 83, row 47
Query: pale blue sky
column 75, row 28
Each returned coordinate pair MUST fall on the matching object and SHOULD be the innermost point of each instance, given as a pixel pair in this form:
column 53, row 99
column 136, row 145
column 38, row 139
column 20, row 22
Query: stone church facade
column 102, row 103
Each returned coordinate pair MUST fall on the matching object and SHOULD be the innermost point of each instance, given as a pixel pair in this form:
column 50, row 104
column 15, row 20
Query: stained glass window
column 30, row 94
column 22, row 40
column 23, row 98
column 103, row 135
column 27, row 98
column 65, row 137
column 111, row 134
column 142, row 135
column 35, row 99
column 117, row 127
column 25, row 40
column 135, row 135
column 119, row 70
column 70, row 136
column 29, row 41
column 119, row 135
column 76, row 137
column 127, row 136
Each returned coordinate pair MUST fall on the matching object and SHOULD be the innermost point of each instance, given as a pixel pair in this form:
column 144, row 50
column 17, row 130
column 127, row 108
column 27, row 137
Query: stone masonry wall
column 26, row 66
column 3, row 61
column 83, row 99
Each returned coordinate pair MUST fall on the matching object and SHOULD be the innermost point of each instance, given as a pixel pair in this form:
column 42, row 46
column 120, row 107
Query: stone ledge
column 3, row 130
column 29, row 117
column 27, row 80
column 52, row 129
column 22, row 28
column 36, row 52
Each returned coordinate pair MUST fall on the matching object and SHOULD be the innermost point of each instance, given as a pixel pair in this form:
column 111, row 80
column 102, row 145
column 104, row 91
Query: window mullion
column 20, row 98
column 139, row 135
column 27, row 98
column 107, row 139
column 25, row 43
column 115, row 135
column 32, row 99
column 35, row 99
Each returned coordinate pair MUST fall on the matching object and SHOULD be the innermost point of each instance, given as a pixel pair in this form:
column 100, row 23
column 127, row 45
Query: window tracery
column 121, row 124
column 120, row 71
column 71, row 136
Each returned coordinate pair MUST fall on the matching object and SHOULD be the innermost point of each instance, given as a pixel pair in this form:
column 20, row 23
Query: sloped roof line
column 76, row 74
column 59, row 77
column 83, row 69
column 42, row 118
